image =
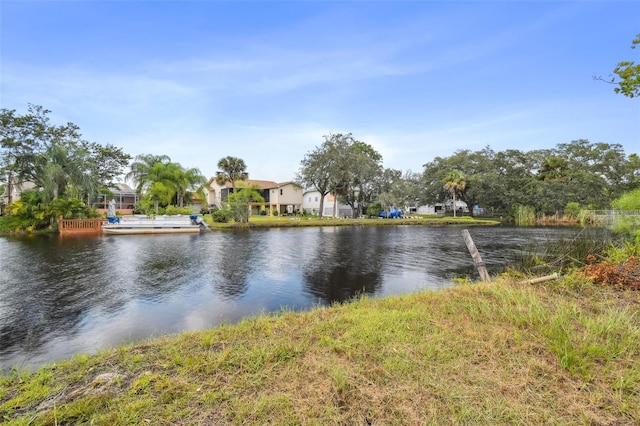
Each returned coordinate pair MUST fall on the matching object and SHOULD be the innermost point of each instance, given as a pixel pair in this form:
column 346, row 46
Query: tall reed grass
column 524, row 215
column 561, row 255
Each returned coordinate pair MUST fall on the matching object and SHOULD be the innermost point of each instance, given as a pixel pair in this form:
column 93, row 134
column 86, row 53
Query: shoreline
column 262, row 222
column 486, row 353
column 295, row 221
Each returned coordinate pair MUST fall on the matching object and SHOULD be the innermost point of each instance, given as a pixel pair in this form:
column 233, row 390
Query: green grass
column 564, row 352
column 294, row 221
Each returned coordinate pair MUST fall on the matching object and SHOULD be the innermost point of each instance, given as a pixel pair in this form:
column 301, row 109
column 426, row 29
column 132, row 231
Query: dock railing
column 77, row 226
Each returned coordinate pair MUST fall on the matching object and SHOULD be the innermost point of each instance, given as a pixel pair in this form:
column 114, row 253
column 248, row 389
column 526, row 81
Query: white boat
column 142, row 224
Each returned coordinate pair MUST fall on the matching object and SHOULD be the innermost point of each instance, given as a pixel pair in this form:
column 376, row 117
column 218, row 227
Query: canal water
column 61, row 296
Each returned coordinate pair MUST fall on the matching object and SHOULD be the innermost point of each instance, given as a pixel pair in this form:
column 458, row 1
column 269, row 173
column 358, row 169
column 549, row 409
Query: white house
column 311, row 205
column 439, row 209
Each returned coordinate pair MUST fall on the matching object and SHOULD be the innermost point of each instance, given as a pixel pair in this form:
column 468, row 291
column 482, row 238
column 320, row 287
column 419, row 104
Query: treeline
column 62, row 170
column 579, row 173
column 67, row 172
column 547, row 180
column 63, row 173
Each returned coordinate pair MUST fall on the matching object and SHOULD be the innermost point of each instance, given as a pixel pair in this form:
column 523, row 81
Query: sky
column 265, row 81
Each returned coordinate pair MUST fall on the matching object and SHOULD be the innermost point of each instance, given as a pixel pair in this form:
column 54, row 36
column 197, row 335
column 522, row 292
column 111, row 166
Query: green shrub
column 5, row 224
column 374, row 210
column 178, row 210
column 145, row 206
column 572, row 210
column 619, row 253
column 627, row 226
column 629, row 201
column 221, row 216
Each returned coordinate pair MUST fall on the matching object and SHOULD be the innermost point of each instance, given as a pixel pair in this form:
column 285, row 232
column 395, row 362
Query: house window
column 281, row 190
column 309, row 199
column 316, row 198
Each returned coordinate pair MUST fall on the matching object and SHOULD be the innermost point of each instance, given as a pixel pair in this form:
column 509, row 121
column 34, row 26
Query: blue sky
column 265, row 80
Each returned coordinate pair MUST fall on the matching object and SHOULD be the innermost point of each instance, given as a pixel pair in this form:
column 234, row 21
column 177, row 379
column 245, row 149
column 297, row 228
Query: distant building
column 124, row 196
column 311, row 205
column 17, row 188
column 440, row 209
column 284, row 198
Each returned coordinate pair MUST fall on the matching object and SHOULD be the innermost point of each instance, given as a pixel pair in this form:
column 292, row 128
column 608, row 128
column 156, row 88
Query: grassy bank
column 295, row 221
column 564, row 352
column 289, row 221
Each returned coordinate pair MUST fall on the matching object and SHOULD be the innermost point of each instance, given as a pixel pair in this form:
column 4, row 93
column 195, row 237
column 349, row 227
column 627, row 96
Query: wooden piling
column 477, row 259
column 538, row 280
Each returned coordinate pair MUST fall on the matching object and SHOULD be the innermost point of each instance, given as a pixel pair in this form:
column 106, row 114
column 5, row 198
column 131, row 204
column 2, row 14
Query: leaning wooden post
column 539, row 280
column 477, row 260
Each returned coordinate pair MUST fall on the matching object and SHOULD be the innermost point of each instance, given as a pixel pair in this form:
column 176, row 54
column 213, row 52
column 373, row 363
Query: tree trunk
column 10, row 188
column 454, row 204
column 335, row 205
column 321, row 209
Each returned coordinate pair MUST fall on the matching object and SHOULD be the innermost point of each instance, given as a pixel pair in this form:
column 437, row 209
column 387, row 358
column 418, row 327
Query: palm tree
column 161, row 179
column 162, row 183
column 141, row 167
column 62, row 169
column 454, row 182
column 232, row 169
column 156, row 176
column 189, row 180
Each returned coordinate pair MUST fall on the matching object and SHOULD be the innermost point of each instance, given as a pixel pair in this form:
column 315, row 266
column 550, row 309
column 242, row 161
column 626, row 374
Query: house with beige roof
column 283, row 198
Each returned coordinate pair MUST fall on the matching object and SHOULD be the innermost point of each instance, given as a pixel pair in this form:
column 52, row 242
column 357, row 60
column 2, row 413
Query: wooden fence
column 79, row 226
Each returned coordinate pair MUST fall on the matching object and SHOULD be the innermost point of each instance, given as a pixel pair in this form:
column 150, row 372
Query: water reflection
column 235, row 263
column 45, row 291
column 347, row 262
column 60, row 296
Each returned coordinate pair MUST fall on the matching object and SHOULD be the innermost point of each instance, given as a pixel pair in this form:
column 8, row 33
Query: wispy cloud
column 414, row 79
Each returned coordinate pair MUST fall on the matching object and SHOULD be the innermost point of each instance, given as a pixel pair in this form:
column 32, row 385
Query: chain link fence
column 611, row 217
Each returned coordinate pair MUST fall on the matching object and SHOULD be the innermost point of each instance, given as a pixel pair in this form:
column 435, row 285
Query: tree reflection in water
column 60, row 296
column 347, row 263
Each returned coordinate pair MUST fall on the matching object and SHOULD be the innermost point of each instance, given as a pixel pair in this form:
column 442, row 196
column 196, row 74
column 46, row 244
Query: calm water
column 61, row 296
